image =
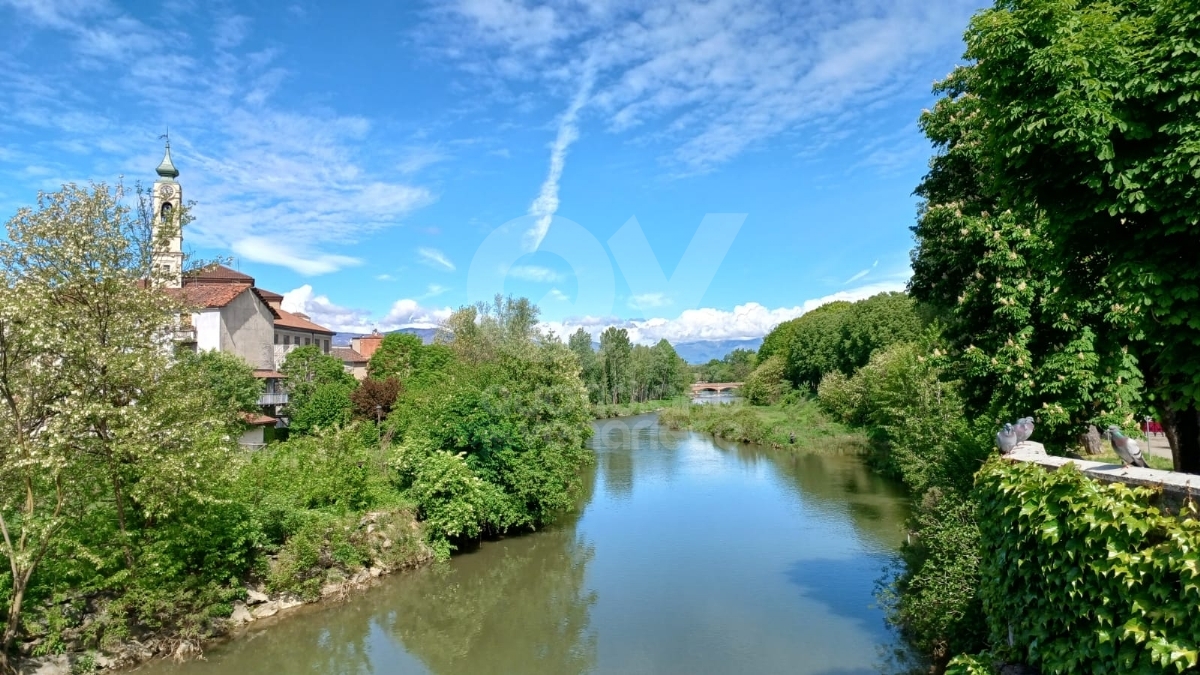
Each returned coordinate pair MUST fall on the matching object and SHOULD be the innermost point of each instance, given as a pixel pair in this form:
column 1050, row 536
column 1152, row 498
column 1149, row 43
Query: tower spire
column 167, row 168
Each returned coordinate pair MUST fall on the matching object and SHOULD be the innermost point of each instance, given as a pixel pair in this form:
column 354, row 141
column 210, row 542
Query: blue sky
column 380, row 163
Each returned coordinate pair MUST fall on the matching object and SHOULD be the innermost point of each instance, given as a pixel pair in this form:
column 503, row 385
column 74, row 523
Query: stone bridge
column 714, row 387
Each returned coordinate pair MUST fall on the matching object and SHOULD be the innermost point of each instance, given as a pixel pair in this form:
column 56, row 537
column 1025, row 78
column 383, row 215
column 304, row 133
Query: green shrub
column 935, row 601
column 843, row 398
column 1089, row 577
column 493, row 446
column 767, row 383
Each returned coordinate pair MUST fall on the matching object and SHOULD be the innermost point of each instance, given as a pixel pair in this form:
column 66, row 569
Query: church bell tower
column 168, row 229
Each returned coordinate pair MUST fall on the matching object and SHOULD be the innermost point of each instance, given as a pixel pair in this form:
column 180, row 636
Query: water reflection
column 723, row 397
column 687, row 556
column 488, row 613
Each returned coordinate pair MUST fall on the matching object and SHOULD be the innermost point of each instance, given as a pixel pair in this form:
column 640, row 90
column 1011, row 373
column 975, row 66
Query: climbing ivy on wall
column 1086, row 577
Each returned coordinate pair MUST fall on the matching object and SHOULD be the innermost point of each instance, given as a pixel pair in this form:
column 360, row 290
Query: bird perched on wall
column 1006, row 438
column 1125, row 447
column 1024, row 429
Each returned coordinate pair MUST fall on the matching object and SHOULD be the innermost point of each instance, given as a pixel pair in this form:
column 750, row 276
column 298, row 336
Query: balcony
column 185, row 334
column 272, row 399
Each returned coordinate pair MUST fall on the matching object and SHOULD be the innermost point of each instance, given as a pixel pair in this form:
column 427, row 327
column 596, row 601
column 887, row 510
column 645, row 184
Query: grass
column 777, row 426
column 1154, row 461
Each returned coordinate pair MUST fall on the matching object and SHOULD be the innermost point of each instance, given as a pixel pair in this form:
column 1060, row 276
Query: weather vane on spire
column 167, row 168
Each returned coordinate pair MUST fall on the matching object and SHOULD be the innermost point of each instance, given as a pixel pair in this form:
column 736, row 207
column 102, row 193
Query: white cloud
column 434, row 290
column 258, row 170
column 276, row 251
column 405, row 313
column 558, row 295
column 435, row 258
column 705, row 79
column 649, row 300
column 534, row 273
column 751, row 320
column 408, row 313
column 384, row 277
column 419, row 158
column 324, row 312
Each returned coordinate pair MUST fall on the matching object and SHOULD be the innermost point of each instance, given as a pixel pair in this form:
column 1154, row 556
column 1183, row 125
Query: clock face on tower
column 166, row 191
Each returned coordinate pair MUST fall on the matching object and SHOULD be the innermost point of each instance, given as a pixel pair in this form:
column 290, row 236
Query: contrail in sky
column 546, row 203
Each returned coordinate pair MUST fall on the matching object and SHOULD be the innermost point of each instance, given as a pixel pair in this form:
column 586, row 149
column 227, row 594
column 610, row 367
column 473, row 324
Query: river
column 688, row 555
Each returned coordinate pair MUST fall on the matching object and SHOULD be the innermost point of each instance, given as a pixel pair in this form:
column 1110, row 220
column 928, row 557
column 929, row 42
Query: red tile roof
column 258, row 420
column 348, row 355
column 297, row 322
column 269, row 296
column 219, row 274
column 214, row 295
column 209, row 296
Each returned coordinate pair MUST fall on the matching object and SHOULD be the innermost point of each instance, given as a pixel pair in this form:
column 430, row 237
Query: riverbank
column 371, row 545
column 603, row 411
column 800, row 424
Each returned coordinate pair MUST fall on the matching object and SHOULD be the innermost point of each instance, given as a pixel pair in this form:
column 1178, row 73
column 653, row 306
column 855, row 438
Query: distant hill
column 703, row 351
column 426, row 335
column 700, row 351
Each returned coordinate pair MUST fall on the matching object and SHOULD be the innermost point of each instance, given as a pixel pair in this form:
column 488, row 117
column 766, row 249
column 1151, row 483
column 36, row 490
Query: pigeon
column 1006, row 439
column 1024, row 429
column 1125, row 447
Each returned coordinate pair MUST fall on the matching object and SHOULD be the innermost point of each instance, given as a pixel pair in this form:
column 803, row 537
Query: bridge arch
column 715, row 387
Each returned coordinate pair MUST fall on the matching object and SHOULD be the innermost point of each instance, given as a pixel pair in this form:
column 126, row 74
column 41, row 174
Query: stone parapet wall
column 1176, row 487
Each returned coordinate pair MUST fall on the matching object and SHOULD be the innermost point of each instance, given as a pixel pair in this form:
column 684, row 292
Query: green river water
column 688, row 555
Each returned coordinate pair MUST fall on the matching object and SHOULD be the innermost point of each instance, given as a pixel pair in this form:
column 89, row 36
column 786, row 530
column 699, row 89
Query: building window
column 307, row 342
column 287, row 339
column 326, row 346
column 277, row 338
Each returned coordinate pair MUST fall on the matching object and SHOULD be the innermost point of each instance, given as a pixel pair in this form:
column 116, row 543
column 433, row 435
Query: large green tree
column 1020, row 345
column 616, row 359
column 98, row 431
column 876, row 323
column 580, row 344
column 496, row 442
column 1089, row 113
column 398, row 355
column 319, row 389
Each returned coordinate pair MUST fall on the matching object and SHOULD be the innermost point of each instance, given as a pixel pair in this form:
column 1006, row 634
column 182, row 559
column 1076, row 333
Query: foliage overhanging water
column 689, row 555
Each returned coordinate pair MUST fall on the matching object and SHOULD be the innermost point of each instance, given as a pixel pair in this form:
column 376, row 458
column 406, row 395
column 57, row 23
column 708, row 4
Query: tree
column 669, row 374
column 228, row 378
column 580, row 344
column 1019, row 345
column 374, row 398
column 641, row 370
column 318, row 389
column 1088, row 112
column 398, row 356
column 767, row 383
column 875, row 323
column 324, row 406
column 497, row 442
column 475, row 333
column 815, row 347
column 616, row 358
column 96, row 421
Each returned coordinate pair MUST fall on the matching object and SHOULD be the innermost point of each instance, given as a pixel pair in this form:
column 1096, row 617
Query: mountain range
column 695, row 352
column 703, row 351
